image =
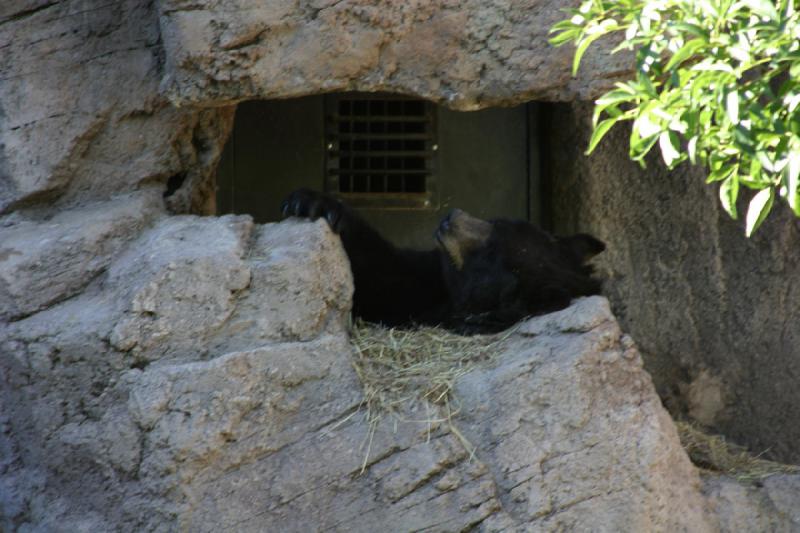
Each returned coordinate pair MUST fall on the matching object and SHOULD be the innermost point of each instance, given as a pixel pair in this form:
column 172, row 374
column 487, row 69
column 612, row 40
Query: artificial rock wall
column 204, row 383
column 119, row 319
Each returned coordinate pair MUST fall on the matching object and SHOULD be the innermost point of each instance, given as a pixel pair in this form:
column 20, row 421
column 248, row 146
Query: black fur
column 509, row 271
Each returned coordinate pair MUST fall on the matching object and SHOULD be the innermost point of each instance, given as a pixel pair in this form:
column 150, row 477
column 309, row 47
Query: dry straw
column 713, row 453
column 403, row 369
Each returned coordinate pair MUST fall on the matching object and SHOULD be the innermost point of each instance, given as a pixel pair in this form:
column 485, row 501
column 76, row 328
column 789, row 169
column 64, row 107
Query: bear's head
column 501, row 271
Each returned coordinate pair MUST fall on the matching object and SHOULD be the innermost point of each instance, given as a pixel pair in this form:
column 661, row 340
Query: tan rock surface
column 204, row 382
column 466, row 55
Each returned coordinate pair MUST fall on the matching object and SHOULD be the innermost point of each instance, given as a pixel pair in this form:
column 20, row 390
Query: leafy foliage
column 717, row 82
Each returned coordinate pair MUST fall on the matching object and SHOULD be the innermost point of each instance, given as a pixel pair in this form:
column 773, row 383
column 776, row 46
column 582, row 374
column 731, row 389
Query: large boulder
column 567, row 430
column 571, row 428
column 186, row 287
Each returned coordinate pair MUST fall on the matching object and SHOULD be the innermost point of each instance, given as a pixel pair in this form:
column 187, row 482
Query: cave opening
column 403, row 162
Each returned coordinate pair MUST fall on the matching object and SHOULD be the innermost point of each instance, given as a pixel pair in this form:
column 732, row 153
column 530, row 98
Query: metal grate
column 380, row 149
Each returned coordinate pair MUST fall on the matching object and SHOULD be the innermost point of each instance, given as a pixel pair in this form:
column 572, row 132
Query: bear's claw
column 310, row 204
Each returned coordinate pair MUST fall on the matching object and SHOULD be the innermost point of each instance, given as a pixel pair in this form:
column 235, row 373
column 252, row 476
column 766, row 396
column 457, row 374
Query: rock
column 300, row 286
column 566, row 436
column 113, row 442
column 772, row 506
column 184, row 283
column 43, row 262
column 181, row 280
column 81, row 116
column 564, row 422
column 69, row 133
column 783, row 490
column 574, row 434
column 162, row 373
column 465, row 54
column 225, row 435
column 204, row 382
column 584, row 315
column 714, row 313
column 72, row 380
column 704, row 398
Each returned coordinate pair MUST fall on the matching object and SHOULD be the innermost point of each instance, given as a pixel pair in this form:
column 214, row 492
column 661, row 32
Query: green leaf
column 713, row 66
column 758, row 209
column 564, row 37
column 792, row 100
column 765, row 160
column 646, row 85
column 694, row 29
column 599, row 132
column 667, row 141
column 728, row 193
column 692, row 149
column 709, row 9
column 564, row 24
column 565, row 31
column 792, row 173
column 740, row 54
column 723, row 171
column 794, row 125
column 744, row 140
column 763, row 8
column 645, row 127
column 755, row 167
column 641, row 147
column 625, row 87
column 581, row 49
column 611, row 98
column 750, row 183
column 615, row 96
column 732, row 106
column 684, row 52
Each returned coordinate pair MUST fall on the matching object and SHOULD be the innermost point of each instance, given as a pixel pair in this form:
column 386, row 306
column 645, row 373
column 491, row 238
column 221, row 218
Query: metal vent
column 380, row 150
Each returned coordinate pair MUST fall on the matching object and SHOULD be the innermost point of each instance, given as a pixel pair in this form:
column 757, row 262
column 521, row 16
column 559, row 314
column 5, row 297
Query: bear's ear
column 583, row 246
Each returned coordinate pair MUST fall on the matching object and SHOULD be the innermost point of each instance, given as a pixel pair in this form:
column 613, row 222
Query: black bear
column 483, row 277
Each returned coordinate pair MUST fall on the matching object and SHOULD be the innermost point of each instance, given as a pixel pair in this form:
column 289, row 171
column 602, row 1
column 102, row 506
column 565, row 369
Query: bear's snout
column 459, row 233
column 446, row 223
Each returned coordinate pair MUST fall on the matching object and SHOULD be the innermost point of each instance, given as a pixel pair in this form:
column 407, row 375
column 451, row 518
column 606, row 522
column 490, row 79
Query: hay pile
column 403, row 369
column 713, row 453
